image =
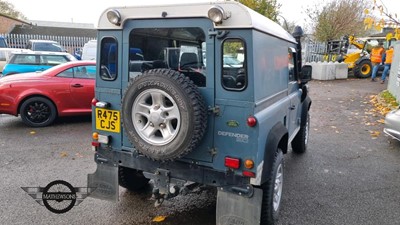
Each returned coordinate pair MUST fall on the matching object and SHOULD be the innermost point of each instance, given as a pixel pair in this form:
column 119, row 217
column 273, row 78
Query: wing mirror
column 305, row 75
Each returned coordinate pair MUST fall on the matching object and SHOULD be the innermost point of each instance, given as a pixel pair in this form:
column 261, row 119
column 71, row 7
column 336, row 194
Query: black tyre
column 300, row 142
column 38, row 112
column 272, row 192
column 363, row 69
column 163, row 114
column 131, row 179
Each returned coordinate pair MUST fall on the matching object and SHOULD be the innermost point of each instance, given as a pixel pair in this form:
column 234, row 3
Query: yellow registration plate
column 108, row 120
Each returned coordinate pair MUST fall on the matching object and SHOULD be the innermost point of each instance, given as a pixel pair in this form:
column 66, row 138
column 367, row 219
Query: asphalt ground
column 349, row 174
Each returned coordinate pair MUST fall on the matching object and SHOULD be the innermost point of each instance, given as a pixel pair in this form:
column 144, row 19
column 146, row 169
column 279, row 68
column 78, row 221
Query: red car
column 39, row 98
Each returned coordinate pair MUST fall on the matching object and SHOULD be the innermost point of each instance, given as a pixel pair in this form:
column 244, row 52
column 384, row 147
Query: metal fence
column 314, row 51
column 71, row 44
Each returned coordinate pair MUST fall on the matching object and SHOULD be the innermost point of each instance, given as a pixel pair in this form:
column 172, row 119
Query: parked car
column 44, row 45
column 392, row 124
column 24, row 62
column 3, row 43
column 39, row 98
column 89, row 50
column 5, row 54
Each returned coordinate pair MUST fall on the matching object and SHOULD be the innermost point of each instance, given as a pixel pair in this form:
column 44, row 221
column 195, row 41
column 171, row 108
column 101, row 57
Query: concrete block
column 323, row 71
column 341, row 71
column 330, row 71
column 318, row 70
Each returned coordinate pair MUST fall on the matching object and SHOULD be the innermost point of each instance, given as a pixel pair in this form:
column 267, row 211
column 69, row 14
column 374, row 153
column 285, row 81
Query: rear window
column 108, row 59
column 181, row 49
column 50, row 47
column 234, row 75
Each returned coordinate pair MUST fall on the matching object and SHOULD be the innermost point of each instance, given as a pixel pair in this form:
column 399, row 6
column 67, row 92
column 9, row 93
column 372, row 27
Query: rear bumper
column 392, row 124
column 178, row 169
column 392, row 133
column 105, row 180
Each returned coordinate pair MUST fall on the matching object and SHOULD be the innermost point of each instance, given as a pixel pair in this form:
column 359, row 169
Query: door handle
column 76, row 85
column 292, row 107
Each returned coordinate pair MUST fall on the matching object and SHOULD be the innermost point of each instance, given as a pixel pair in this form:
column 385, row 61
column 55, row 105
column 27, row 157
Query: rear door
column 165, row 44
column 233, row 97
column 108, row 85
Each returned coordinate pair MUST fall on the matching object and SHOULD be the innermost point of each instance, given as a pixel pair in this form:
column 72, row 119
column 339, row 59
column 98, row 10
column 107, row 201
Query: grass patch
column 388, row 99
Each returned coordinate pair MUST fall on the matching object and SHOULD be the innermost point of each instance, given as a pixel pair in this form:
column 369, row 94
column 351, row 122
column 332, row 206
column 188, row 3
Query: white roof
column 240, row 16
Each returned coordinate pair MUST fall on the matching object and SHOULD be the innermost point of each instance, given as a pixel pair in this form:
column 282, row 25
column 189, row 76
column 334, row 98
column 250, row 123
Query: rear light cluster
column 94, row 101
column 234, row 163
column 98, row 138
column 95, row 137
column 251, row 121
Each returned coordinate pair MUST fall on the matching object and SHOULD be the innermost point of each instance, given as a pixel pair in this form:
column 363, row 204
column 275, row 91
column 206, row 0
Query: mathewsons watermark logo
column 58, row 196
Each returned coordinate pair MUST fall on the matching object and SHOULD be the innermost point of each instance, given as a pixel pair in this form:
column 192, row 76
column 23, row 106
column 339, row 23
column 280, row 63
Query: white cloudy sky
column 88, row 11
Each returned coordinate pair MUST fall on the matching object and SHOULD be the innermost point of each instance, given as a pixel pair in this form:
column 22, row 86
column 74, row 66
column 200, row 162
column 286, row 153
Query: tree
column 337, row 18
column 386, row 18
column 287, row 25
column 268, row 8
column 7, row 8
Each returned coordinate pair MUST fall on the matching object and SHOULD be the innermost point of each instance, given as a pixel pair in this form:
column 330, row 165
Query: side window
column 69, row 73
column 53, row 60
column 108, row 59
column 25, row 59
column 234, row 74
column 85, row 72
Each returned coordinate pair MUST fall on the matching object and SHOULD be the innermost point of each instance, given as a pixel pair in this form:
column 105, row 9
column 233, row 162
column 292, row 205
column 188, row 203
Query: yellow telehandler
column 355, row 53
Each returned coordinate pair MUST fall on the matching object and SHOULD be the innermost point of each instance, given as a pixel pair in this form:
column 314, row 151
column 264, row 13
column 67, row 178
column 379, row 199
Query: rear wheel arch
column 306, row 105
column 277, row 139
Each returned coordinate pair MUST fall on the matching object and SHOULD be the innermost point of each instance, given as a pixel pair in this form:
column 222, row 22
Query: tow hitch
column 166, row 187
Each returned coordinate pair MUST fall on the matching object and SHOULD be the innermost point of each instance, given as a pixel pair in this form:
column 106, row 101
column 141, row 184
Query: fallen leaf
column 32, row 132
column 381, row 121
column 64, row 154
column 375, row 133
column 159, row 218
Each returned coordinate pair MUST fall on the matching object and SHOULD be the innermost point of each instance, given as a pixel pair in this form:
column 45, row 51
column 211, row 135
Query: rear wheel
column 272, row 192
column 363, row 69
column 38, row 112
column 131, row 179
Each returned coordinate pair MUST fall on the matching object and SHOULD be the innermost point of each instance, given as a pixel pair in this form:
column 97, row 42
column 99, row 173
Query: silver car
column 392, row 124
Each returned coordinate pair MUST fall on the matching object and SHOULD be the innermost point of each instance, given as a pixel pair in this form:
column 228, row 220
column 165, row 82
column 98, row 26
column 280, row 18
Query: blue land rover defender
column 204, row 93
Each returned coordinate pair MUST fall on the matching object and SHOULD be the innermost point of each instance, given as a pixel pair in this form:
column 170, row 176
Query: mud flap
column 233, row 209
column 104, row 182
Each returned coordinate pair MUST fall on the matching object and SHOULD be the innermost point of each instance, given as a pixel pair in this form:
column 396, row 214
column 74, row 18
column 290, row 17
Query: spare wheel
column 163, row 114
